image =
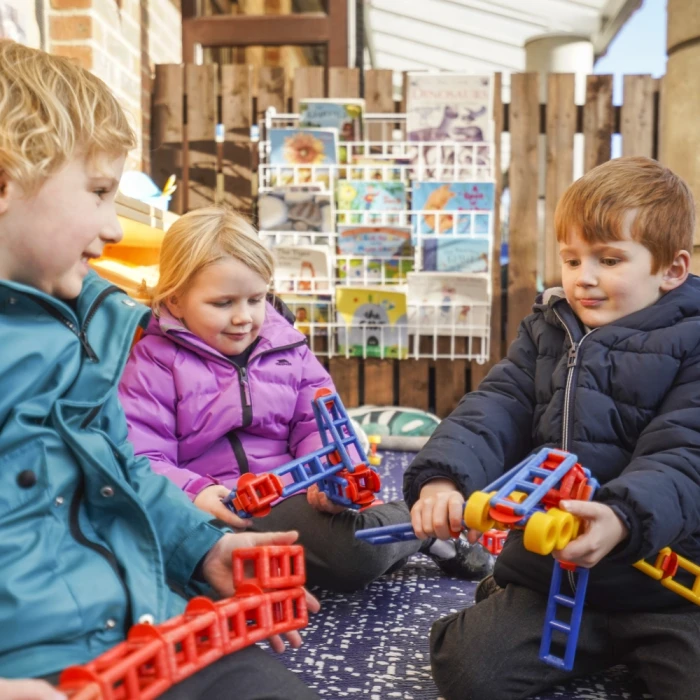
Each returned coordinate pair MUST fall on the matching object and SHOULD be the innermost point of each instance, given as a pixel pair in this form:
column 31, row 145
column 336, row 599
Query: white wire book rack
column 444, row 314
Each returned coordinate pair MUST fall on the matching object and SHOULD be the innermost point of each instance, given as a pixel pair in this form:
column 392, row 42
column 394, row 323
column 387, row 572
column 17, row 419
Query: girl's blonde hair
column 200, row 238
column 50, row 109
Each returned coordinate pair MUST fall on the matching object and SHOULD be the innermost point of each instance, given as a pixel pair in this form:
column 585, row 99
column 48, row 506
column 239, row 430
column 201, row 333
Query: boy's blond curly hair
column 51, row 110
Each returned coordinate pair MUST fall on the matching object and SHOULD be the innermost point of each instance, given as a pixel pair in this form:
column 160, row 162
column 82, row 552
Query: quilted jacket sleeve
column 148, row 394
column 489, row 429
column 659, row 491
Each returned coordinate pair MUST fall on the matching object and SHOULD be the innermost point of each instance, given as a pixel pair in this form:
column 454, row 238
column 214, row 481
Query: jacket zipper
column 74, row 524
column 81, row 332
column 567, row 423
column 247, row 403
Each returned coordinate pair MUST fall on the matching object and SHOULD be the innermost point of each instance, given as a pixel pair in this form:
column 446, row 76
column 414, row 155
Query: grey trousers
column 490, row 650
column 335, row 559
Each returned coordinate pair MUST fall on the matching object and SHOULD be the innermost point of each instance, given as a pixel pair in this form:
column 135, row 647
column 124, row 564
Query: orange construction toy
column 155, row 657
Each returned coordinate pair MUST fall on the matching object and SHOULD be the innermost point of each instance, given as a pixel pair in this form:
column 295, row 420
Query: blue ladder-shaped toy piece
column 521, row 478
column 387, row 534
column 570, row 630
column 337, row 434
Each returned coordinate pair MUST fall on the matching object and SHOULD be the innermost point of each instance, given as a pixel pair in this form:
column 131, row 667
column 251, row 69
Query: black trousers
column 335, row 559
column 490, row 650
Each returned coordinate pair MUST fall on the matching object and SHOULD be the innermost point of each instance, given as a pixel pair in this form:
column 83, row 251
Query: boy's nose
column 112, row 230
column 586, row 275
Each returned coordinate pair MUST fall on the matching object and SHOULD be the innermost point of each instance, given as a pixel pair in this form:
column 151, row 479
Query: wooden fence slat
column 308, row 82
column 522, row 246
column 450, row 377
column 637, row 122
column 561, row 127
column 237, row 156
column 379, row 382
column 478, row 372
column 379, row 98
column 598, row 120
column 201, row 90
column 345, row 372
column 414, row 383
column 168, row 125
column 271, row 89
column 343, row 82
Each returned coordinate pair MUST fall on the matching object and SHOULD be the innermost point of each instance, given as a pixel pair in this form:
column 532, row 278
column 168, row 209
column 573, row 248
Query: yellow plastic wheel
column 541, row 532
column 565, row 526
column 476, row 512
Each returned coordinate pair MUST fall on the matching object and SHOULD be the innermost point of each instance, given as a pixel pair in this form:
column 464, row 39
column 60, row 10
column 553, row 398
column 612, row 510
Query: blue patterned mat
column 373, row 644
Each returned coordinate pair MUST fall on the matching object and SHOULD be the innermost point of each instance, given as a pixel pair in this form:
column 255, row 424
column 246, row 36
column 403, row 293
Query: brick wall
column 120, row 41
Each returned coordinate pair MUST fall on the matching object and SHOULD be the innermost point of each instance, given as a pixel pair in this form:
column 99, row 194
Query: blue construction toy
column 345, row 482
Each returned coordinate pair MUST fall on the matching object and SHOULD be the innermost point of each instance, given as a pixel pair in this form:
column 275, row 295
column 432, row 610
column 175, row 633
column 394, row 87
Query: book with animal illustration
column 295, row 208
column 302, row 268
column 364, row 271
column 432, row 198
column 290, row 150
column 345, row 115
column 375, row 241
column 448, row 303
column 371, row 198
column 456, row 254
column 372, row 322
column 449, row 107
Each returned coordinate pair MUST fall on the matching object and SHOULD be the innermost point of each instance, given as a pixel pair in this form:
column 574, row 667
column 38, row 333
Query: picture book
column 437, row 197
column 297, row 147
column 363, row 271
column 371, row 198
column 456, row 254
column 378, row 167
column 345, row 115
column 449, row 107
column 302, row 268
column 372, row 322
column 295, row 208
column 375, row 241
column 312, row 312
column 445, row 303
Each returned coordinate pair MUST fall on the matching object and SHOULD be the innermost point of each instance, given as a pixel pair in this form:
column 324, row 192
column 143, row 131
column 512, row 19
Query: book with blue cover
column 430, row 199
column 373, row 198
column 375, row 241
column 345, row 115
column 456, row 254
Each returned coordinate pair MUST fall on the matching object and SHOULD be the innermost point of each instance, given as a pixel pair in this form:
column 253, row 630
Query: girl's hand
column 439, row 511
column 210, row 500
column 217, row 571
column 28, row 690
column 602, row 532
column 319, row 500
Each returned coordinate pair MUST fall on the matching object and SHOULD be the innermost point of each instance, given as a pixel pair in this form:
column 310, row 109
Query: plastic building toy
column 492, row 541
column 374, row 458
column 331, row 467
column 155, row 657
column 387, row 534
column 666, row 567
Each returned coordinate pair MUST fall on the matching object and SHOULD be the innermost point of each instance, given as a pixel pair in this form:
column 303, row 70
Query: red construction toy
column 155, row 657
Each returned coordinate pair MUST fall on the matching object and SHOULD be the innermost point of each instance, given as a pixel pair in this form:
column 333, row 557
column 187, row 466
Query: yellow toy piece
column 373, row 457
column 665, row 568
column 545, row 532
column 476, row 512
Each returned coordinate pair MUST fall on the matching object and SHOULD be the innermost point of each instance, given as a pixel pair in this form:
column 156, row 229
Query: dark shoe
column 471, row 562
column 486, row 588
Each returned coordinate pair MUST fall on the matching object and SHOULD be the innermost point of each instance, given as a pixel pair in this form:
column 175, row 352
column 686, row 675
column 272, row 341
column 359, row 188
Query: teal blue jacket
column 91, row 540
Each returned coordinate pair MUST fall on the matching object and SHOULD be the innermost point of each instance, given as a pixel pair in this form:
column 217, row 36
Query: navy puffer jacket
column 625, row 398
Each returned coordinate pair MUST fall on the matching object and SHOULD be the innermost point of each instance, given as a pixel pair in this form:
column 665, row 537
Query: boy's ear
column 677, row 272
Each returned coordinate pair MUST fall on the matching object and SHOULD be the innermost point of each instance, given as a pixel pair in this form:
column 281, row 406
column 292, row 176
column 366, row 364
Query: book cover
column 375, row 241
column 312, row 312
column 370, row 196
column 449, row 107
column 452, row 196
column 291, row 208
column 364, row 271
column 302, row 268
column 295, row 147
column 372, row 322
column 444, row 303
column 456, row 254
column 345, row 115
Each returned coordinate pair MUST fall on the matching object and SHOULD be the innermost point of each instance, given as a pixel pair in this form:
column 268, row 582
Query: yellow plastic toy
column 373, row 457
column 666, row 567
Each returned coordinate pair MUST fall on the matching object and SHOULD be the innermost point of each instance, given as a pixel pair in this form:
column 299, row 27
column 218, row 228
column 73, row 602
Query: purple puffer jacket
column 199, row 419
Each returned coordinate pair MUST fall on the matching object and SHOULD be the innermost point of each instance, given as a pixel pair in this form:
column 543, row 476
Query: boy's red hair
column 595, row 206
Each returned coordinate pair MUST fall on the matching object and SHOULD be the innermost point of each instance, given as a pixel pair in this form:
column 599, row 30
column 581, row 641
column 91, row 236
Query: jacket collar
column 276, row 333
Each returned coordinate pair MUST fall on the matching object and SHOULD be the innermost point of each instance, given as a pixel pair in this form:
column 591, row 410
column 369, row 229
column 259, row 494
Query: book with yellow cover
column 372, row 322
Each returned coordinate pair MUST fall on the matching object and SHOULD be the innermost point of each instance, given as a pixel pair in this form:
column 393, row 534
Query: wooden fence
column 189, row 101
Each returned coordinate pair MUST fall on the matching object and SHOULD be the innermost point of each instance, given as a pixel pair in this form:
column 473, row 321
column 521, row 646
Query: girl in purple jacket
column 221, row 384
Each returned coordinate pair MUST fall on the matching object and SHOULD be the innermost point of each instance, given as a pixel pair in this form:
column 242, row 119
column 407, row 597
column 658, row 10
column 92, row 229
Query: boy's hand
column 602, row 532
column 319, row 500
column 210, row 499
column 217, row 571
column 439, row 510
column 28, row 690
